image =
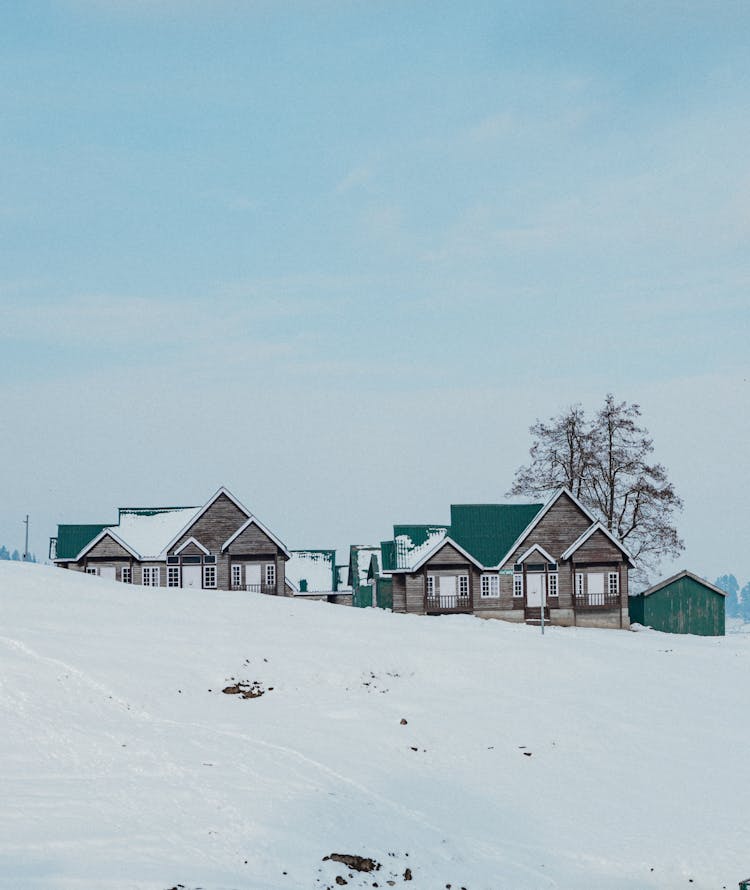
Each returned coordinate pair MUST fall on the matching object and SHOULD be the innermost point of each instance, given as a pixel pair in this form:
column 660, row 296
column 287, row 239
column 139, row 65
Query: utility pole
column 26, row 548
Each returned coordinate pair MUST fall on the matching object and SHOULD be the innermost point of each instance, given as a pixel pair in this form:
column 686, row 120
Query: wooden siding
column 556, row 531
column 108, row 547
column 598, row 549
column 251, row 542
column 447, row 556
column 399, row 593
column 218, row 523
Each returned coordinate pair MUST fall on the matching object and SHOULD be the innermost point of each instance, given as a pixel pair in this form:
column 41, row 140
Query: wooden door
column 535, row 591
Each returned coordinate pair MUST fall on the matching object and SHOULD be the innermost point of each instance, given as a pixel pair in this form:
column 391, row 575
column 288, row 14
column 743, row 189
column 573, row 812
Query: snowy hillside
column 584, row 759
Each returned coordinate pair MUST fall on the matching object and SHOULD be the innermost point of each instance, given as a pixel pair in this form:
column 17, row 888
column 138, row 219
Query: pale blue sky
column 339, row 256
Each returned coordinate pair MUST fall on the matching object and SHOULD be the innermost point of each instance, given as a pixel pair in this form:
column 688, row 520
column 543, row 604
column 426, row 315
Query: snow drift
column 450, row 751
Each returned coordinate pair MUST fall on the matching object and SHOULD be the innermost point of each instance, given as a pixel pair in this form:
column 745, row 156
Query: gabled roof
column 596, row 527
column 488, row 531
column 541, row 513
column 197, row 516
column 411, row 542
column 148, row 531
column 253, row 520
column 71, row 539
column 539, row 549
column 191, row 540
column 436, row 549
column 107, row 533
column 683, row 574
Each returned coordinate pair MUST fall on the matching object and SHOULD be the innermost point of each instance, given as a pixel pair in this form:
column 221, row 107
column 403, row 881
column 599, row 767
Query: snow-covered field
column 583, row 759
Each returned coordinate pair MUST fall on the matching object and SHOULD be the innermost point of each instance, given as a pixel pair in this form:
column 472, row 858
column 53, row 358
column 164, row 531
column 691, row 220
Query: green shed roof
column 488, row 531
column 71, row 539
column 418, row 534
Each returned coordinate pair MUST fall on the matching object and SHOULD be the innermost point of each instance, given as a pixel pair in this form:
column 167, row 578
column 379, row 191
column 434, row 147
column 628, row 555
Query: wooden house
column 682, row 604
column 511, row 561
column 217, row 546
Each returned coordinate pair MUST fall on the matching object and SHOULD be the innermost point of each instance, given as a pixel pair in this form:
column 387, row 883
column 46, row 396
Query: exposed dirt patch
column 245, row 689
column 355, row 863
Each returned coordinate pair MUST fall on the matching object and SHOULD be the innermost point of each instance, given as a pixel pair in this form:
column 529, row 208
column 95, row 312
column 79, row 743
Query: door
column 447, row 591
column 191, row 576
column 252, row 577
column 107, row 572
column 596, row 588
column 534, row 591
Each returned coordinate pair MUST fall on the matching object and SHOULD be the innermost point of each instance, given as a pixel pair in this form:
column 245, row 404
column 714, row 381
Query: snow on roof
column 149, row 533
column 408, row 554
column 364, row 556
column 314, row 566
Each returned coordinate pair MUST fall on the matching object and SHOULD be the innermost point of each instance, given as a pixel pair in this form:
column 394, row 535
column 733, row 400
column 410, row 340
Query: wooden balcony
column 447, row 604
column 256, row 588
column 596, row 602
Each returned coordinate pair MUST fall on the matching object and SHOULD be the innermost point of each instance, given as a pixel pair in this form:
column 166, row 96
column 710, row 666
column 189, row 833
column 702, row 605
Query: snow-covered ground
column 583, row 759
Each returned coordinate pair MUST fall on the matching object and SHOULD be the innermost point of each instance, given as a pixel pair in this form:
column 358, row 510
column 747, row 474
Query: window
column 151, row 576
column 210, row 559
column 271, row 575
column 579, row 583
column 173, row 560
column 490, row 586
column 463, row 586
column 430, row 585
column 209, row 576
column 517, row 585
column 90, row 570
column 126, row 575
column 613, row 583
column 552, row 585
column 173, row 576
column 236, row 576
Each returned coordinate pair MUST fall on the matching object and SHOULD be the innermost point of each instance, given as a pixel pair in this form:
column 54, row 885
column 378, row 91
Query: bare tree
column 606, row 463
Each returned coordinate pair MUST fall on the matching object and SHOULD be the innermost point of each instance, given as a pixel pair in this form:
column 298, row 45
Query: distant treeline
column 738, row 601
column 6, row 554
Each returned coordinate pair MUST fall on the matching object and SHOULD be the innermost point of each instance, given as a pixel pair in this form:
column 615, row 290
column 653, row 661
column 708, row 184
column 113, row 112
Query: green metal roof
column 488, row 531
column 147, row 511
column 387, row 555
column 418, row 534
column 71, row 539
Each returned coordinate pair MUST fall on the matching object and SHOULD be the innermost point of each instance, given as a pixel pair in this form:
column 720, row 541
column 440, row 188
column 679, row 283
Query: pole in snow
column 26, row 547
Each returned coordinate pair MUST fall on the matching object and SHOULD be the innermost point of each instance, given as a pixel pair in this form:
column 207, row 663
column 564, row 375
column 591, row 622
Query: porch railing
column 452, row 602
column 255, row 588
column 587, row 601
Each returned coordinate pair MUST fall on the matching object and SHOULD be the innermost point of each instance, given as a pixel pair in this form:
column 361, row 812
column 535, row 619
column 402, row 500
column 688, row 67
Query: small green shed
column 682, row 604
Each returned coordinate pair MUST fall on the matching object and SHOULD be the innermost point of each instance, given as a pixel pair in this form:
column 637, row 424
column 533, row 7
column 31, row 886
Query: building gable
column 446, row 555
column 252, row 541
column 597, row 548
column 562, row 523
column 108, row 547
column 214, row 524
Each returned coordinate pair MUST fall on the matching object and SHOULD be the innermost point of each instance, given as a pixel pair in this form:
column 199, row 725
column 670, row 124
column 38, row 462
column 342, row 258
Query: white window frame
column 173, row 576
column 209, row 577
column 613, row 583
column 271, row 574
column 92, row 570
column 431, row 585
column 126, row 575
column 463, row 586
column 580, row 585
column 151, row 576
column 553, row 584
column 490, row 587
column 517, row 585
column 236, row 576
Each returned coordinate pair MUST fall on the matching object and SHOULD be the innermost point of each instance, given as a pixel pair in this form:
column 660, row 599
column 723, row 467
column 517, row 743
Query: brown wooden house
column 510, row 561
column 219, row 546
